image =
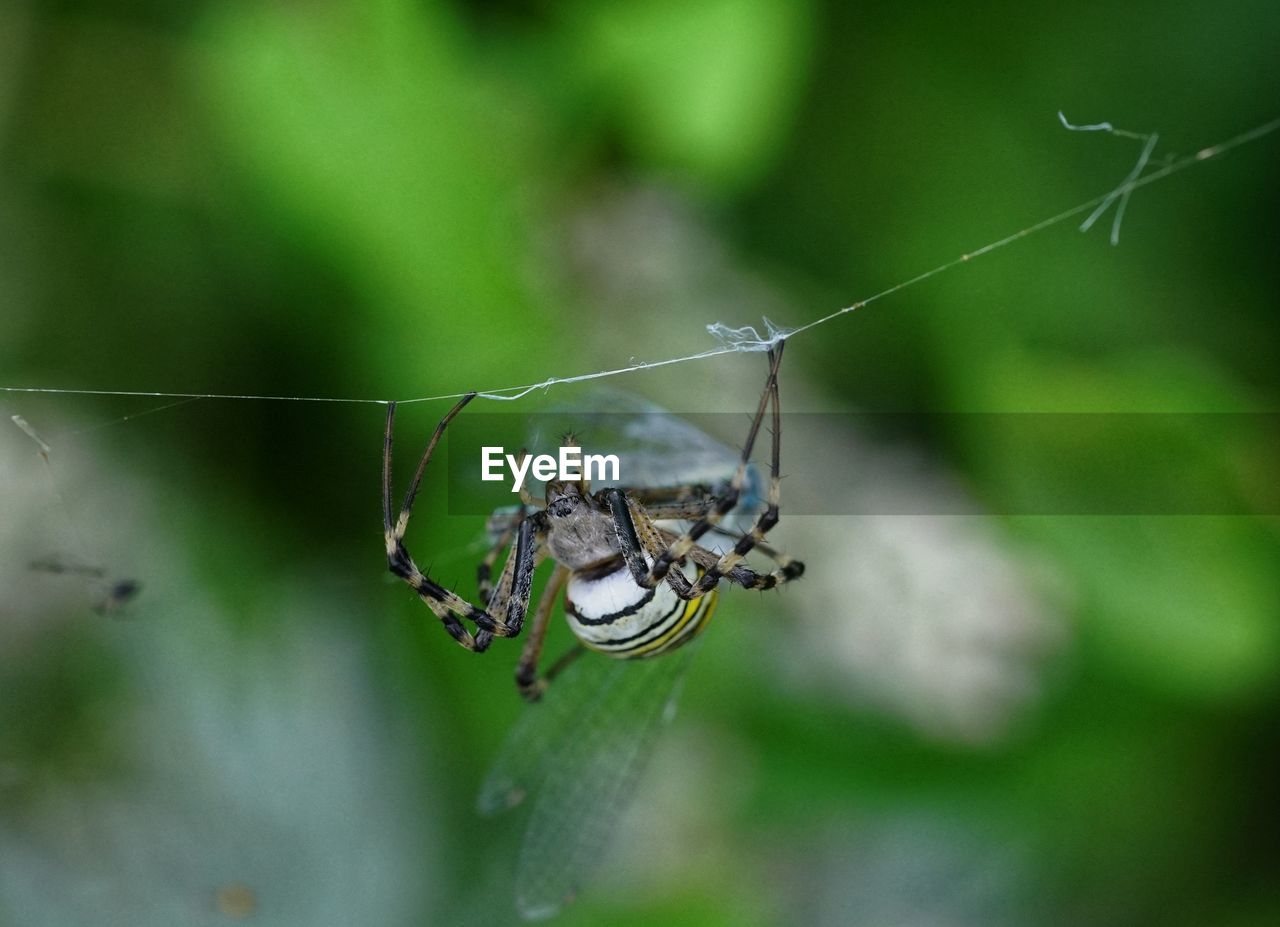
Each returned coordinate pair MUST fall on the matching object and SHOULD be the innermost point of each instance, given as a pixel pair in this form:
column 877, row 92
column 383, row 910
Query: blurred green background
column 951, row 720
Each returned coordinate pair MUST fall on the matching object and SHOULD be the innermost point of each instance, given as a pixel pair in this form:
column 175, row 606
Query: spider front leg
column 788, row 567
column 655, row 540
column 728, row 564
column 624, row 516
column 512, row 599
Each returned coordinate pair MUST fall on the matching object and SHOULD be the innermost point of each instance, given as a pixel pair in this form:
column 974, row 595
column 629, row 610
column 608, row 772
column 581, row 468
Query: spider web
column 748, row 339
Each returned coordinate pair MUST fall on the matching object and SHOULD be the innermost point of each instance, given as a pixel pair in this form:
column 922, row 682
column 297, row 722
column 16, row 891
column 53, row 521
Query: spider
column 633, row 588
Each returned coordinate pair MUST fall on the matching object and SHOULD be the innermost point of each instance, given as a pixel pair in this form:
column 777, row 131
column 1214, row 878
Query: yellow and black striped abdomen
column 612, row 614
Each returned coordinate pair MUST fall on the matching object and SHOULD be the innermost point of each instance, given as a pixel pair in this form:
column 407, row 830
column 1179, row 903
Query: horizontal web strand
column 735, row 341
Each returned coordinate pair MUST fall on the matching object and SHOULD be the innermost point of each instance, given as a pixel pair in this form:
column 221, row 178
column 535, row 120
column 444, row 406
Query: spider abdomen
column 614, row 615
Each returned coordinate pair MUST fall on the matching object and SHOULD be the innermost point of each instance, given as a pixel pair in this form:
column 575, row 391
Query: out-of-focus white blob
column 917, row 609
column 925, row 617
column 220, row 770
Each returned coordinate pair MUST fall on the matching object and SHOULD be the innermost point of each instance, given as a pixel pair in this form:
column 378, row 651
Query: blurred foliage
column 409, row 197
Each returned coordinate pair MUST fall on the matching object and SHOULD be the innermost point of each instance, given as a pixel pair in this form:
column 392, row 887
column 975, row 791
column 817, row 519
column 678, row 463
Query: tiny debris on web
column 1125, row 189
column 747, row 338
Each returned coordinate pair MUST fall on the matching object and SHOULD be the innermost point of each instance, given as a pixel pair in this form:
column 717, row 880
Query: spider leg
column 689, row 510
column 641, row 526
column 654, row 540
column 691, row 497
column 676, row 511
column 788, row 567
column 508, row 604
column 507, row 616
column 484, row 571
column 649, row 576
column 531, row 685
column 773, row 553
column 562, row 663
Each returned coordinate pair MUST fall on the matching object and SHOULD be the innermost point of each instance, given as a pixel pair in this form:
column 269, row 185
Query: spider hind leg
column 506, row 607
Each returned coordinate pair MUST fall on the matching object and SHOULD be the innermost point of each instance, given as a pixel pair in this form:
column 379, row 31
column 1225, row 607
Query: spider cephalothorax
column 633, row 587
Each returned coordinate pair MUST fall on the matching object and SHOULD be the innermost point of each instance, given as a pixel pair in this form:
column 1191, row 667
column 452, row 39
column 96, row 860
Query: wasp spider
column 632, row 587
